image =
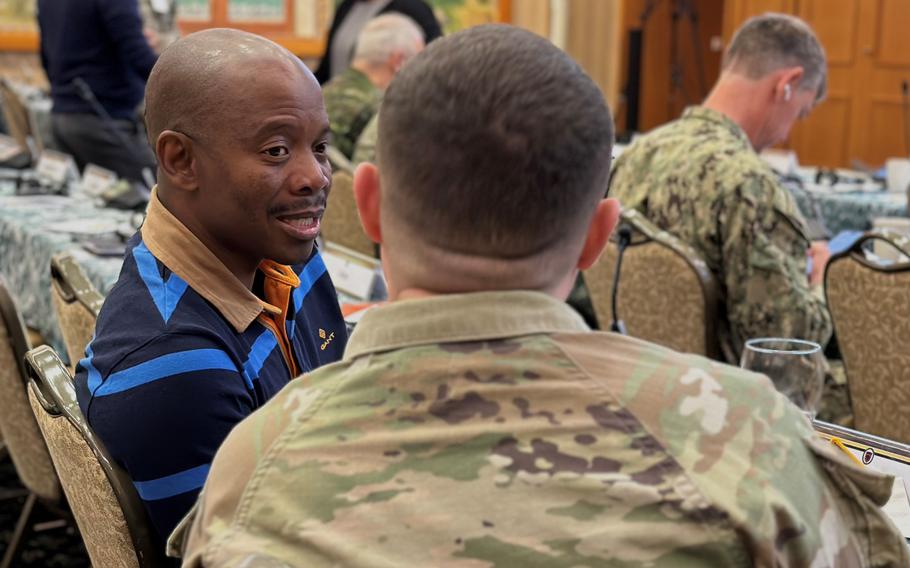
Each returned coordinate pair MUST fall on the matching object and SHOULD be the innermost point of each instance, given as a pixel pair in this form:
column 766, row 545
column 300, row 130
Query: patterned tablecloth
column 30, row 234
column 848, row 211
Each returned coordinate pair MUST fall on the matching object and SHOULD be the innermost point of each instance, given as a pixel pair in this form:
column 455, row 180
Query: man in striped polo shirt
column 222, row 298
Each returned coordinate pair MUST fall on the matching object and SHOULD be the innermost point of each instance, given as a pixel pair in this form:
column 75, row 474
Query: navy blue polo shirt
column 183, row 351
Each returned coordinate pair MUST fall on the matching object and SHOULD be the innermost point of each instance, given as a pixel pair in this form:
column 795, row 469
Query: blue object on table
column 841, row 242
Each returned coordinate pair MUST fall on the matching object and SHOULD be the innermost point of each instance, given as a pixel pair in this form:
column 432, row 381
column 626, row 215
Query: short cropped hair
column 766, row 43
column 493, row 142
column 386, row 35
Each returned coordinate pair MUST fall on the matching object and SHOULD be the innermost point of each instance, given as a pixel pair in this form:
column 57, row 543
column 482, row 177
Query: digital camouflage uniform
column 700, row 179
column 495, row 429
column 351, row 100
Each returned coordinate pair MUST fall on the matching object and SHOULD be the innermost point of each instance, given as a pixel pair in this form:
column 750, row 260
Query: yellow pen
column 840, row 444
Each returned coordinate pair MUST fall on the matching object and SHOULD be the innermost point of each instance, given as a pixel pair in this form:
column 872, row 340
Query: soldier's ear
column 605, row 218
column 366, row 194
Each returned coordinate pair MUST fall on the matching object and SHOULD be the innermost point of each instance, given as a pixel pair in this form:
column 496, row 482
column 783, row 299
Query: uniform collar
column 458, row 318
column 171, row 242
column 710, row 115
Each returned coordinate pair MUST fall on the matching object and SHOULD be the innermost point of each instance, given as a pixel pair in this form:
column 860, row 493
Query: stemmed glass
column 795, row 366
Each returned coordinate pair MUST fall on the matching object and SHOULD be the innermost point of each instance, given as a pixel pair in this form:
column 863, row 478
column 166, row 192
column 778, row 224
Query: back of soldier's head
column 767, row 43
column 493, row 143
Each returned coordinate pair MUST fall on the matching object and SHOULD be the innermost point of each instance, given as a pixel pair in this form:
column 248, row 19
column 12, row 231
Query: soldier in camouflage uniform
column 476, row 421
column 701, row 179
column 365, row 150
column 353, row 97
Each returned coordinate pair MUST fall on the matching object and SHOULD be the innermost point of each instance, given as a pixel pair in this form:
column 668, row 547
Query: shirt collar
column 460, row 318
column 171, row 242
column 710, row 115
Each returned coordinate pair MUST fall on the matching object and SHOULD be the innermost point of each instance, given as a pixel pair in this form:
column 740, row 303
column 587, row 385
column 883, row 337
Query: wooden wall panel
column 593, row 40
column 893, row 39
column 533, row 15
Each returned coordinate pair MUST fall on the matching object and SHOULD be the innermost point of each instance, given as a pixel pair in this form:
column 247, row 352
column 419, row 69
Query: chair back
column 76, row 302
column 21, row 435
column 15, row 114
column 341, row 223
column 666, row 293
column 111, row 518
column 870, row 307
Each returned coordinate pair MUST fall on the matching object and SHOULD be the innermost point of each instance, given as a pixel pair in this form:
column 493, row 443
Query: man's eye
column 277, row 151
column 321, row 148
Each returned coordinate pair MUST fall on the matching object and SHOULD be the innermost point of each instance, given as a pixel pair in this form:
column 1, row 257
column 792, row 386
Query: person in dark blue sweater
column 97, row 61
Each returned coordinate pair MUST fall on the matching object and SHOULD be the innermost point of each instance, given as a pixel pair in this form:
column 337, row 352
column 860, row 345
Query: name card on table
column 96, row 180
column 9, row 148
column 880, row 455
column 353, row 274
column 55, row 167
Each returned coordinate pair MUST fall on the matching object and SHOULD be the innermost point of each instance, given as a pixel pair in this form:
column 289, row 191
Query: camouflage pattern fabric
column 351, row 100
column 494, row 429
column 700, row 179
column 365, row 151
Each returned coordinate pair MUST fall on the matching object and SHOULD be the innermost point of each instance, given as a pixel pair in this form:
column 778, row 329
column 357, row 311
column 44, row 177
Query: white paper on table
column 96, row 180
column 898, row 507
column 348, row 276
column 55, row 166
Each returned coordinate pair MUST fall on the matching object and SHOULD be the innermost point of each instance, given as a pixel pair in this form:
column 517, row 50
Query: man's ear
column 366, row 194
column 176, row 159
column 605, row 218
column 787, row 82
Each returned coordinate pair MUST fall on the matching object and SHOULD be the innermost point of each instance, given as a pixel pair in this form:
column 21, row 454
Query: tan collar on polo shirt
column 171, row 242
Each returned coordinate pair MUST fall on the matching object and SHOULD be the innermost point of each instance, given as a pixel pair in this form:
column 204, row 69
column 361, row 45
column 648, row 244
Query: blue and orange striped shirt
column 183, row 351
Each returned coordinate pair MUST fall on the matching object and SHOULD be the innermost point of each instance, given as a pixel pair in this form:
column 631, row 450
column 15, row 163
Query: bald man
column 222, row 298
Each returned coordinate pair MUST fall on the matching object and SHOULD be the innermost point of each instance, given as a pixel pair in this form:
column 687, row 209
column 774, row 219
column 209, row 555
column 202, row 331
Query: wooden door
column 823, row 139
column 880, row 128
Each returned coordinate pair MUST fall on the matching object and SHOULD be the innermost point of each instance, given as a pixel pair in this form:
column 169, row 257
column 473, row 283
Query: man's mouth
column 303, row 225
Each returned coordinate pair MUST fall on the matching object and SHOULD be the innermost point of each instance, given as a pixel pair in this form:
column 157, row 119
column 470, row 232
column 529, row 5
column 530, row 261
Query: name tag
column 96, row 180
column 55, row 167
column 8, row 147
column 350, row 277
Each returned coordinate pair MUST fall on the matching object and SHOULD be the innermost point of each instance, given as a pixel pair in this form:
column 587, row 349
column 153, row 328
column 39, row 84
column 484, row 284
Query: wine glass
column 795, row 366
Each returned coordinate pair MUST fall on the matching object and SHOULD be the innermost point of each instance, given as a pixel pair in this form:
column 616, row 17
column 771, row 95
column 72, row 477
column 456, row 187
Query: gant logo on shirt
column 328, row 338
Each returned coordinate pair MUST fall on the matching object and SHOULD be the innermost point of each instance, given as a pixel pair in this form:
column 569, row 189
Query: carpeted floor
column 54, row 548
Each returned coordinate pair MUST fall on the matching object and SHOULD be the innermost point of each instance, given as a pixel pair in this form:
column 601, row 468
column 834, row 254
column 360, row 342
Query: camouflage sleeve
column 365, row 151
column 764, row 246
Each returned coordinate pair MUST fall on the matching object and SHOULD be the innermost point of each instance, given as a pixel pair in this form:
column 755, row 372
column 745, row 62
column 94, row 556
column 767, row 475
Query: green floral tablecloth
column 848, row 211
column 30, row 235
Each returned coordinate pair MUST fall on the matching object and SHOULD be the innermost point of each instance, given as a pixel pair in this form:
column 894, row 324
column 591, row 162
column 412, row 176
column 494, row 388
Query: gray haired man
column 701, row 178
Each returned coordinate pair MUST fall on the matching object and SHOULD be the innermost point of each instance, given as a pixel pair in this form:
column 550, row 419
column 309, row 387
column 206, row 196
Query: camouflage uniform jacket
column 351, row 100
column 365, row 151
column 700, row 179
column 495, row 429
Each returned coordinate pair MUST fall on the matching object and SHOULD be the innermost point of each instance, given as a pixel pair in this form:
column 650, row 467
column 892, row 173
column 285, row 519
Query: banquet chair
column 15, row 114
column 869, row 302
column 665, row 292
column 21, row 435
column 341, row 222
column 113, row 522
column 76, row 303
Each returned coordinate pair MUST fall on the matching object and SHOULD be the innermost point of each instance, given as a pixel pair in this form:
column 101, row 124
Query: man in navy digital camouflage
column 701, row 179
column 475, row 421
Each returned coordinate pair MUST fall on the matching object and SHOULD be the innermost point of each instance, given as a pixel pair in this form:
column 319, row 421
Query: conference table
column 847, row 210
column 33, row 228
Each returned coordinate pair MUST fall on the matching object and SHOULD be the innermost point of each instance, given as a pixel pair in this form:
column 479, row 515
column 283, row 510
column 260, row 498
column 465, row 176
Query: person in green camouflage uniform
column 365, row 150
column 476, row 421
column 701, row 179
column 352, row 98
